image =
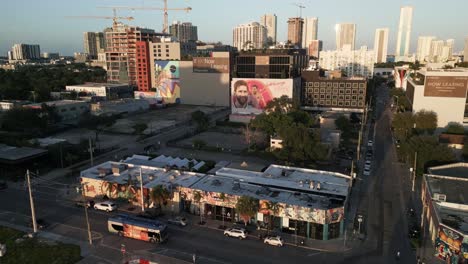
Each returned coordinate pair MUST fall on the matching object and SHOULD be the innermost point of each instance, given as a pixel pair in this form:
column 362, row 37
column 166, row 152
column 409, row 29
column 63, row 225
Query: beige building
column 381, row 45
column 295, row 25
column 69, row 110
column 309, row 31
column 465, row 51
column 404, row 33
column 269, row 21
column 353, row 62
column 165, row 49
column 249, row 36
column 345, row 35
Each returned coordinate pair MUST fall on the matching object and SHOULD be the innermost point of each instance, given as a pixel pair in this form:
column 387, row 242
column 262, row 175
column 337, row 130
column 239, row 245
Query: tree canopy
column 159, row 195
column 201, row 119
column 455, row 128
column 247, row 207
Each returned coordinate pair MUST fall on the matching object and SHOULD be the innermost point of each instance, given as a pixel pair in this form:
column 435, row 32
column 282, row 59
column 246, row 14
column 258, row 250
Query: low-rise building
column 10, row 104
column 445, row 211
column 121, row 106
column 70, row 111
column 106, row 91
column 309, row 203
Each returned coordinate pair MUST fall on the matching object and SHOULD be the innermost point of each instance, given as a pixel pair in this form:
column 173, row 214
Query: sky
column 44, row 22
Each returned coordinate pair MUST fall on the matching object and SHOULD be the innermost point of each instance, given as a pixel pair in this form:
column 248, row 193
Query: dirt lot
column 218, row 139
column 106, row 140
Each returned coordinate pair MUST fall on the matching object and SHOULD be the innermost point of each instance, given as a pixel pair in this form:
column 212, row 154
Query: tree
column 455, row 128
column 198, row 143
column 197, row 197
column 247, row 207
column 159, row 195
column 426, row 121
column 403, row 123
column 139, row 128
column 201, row 119
column 273, row 208
column 97, row 123
column 222, row 197
column 25, row 120
column 344, row 125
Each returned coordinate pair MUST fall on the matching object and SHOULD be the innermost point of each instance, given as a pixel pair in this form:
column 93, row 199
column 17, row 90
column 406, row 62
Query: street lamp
column 359, row 221
column 33, row 212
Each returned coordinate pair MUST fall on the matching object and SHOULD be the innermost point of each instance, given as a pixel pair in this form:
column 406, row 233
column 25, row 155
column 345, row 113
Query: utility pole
column 91, row 149
column 33, row 213
column 141, row 190
column 414, row 169
column 86, row 214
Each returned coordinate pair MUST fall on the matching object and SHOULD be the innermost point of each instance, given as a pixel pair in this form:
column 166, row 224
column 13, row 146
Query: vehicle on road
column 107, row 206
column 180, row 221
column 236, row 232
column 138, row 228
column 370, row 143
column 40, row 223
column 367, row 165
column 274, row 241
column 81, row 203
column 366, row 171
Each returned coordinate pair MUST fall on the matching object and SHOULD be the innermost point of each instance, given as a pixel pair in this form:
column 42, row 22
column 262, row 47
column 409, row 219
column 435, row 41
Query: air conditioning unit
column 440, row 197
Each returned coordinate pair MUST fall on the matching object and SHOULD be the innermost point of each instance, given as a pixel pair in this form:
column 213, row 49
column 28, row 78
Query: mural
column 167, row 81
column 131, row 192
column 334, row 215
column 448, row 245
column 212, row 198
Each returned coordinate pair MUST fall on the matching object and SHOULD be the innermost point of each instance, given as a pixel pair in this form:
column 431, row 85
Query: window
column 316, row 84
column 322, row 90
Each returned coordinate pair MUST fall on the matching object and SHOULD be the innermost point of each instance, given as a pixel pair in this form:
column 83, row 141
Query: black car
column 3, row 185
column 81, row 203
column 149, row 215
column 40, row 223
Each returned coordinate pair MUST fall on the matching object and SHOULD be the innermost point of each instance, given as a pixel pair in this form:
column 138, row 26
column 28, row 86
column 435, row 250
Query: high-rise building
column 381, row 44
column 25, row 52
column 345, row 35
column 437, row 47
column 295, row 30
column 424, row 48
column 93, row 43
column 465, row 51
column 269, row 21
column 184, row 32
column 309, row 31
column 314, row 48
column 121, row 51
column 249, row 36
column 352, row 62
column 404, row 32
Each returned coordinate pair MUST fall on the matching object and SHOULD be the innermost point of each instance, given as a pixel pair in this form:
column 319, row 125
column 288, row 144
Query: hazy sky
column 43, row 21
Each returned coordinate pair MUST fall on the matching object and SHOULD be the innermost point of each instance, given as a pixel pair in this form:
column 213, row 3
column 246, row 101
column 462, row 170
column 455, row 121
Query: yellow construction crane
column 165, row 9
column 114, row 18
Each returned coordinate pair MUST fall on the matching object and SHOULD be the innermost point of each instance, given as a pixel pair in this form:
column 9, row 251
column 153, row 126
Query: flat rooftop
column 454, row 218
column 454, row 189
column 15, row 154
column 57, row 103
column 458, row 170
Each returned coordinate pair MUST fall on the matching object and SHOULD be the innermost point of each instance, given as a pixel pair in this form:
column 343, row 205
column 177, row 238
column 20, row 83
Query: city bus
column 138, row 228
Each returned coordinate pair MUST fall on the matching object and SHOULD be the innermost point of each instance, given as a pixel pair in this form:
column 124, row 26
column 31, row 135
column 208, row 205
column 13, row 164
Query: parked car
column 236, row 232
column 180, row 221
column 366, row 171
column 370, row 143
column 3, row 185
column 274, row 241
column 40, row 223
column 81, row 203
column 107, row 206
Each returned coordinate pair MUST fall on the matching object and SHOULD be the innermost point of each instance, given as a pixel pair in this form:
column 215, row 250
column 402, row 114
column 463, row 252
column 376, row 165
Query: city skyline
column 64, row 35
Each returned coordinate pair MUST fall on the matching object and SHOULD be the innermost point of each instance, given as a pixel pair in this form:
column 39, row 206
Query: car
column 236, row 232
column 40, row 223
column 107, row 206
column 180, row 221
column 369, row 156
column 366, row 172
column 370, row 143
column 274, row 241
column 81, row 203
column 3, row 185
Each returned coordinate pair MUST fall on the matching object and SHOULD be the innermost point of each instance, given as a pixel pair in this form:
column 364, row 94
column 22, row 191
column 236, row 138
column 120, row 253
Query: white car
column 366, row 172
column 105, row 206
column 236, row 232
column 274, row 241
column 367, row 165
column 370, row 143
column 180, row 221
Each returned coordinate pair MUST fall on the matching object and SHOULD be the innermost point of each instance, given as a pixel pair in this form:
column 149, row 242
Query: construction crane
column 300, row 8
column 165, row 9
column 115, row 18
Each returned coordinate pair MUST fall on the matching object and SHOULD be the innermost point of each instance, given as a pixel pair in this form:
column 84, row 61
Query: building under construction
column 121, row 52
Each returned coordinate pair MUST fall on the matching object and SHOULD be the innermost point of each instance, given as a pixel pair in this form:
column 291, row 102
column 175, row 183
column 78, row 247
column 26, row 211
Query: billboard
column 250, row 96
column 445, row 86
column 210, row 65
column 167, row 80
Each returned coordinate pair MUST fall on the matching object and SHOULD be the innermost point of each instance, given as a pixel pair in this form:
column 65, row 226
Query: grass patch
column 34, row 250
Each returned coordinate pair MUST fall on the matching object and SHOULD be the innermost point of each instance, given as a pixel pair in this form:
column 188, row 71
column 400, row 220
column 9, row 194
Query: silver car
column 274, row 241
column 180, row 221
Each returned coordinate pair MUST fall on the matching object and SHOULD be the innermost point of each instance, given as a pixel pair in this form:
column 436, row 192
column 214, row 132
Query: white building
column 465, row 51
column 381, row 45
column 404, row 33
column 309, row 31
column 165, row 49
column 109, row 91
column 25, row 52
column 424, row 48
column 345, row 35
column 353, row 62
column 269, row 21
column 70, row 111
column 441, row 91
column 249, row 36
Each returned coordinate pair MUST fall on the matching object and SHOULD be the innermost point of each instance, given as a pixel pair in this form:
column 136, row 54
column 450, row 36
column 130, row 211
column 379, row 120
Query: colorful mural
column 167, row 81
column 448, row 245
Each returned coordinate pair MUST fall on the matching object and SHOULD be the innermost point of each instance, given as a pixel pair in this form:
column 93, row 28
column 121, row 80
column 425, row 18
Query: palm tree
column 159, row 195
column 247, row 207
column 274, row 208
column 197, row 198
column 222, row 197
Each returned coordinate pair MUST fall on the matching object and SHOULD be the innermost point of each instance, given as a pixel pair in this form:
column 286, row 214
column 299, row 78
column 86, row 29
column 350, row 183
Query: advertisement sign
column 210, row 65
column 445, row 86
column 167, row 79
column 250, row 96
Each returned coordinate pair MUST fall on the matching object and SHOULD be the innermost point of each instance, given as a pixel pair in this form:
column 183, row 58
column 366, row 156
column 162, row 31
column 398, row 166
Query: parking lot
column 228, row 141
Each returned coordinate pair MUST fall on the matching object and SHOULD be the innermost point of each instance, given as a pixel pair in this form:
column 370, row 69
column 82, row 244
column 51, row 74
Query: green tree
column 26, row 120
column 455, row 128
column 139, row 128
column 344, row 125
column 197, row 197
column 273, row 208
column 426, row 121
column 159, row 195
column 247, row 207
column 201, row 119
column 402, row 124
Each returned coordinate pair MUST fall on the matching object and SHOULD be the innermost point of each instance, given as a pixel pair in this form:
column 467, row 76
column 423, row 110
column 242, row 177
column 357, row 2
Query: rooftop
column 98, row 85
column 453, row 188
column 454, row 218
column 57, row 103
column 458, row 170
column 15, row 154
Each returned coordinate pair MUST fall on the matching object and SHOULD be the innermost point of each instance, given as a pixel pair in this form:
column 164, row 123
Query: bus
column 138, row 228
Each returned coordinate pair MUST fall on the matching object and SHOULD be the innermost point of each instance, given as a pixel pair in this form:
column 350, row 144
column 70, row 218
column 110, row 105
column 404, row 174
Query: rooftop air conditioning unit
column 440, row 197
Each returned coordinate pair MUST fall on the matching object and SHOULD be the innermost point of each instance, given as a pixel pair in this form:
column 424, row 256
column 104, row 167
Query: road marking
column 313, row 254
